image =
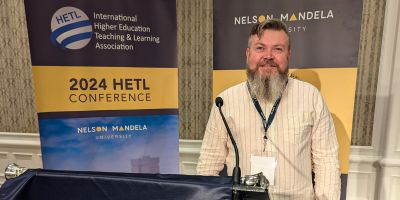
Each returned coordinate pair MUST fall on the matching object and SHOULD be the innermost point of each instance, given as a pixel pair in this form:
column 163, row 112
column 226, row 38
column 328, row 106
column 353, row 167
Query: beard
column 268, row 87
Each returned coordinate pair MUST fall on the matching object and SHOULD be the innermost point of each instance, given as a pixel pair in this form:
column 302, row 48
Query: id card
column 266, row 165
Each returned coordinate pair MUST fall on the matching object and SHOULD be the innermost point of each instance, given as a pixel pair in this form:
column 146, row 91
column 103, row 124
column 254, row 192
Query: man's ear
column 247, row 53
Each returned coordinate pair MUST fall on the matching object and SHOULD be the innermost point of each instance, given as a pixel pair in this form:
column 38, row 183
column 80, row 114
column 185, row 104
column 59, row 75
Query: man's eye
column 259, row 48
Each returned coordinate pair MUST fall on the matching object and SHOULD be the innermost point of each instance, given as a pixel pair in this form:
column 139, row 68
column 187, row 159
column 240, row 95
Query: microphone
column 250, row 187
column 236, row 174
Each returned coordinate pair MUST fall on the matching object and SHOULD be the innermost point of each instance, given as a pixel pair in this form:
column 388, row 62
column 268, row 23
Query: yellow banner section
column 337, row 86
column 70, row 88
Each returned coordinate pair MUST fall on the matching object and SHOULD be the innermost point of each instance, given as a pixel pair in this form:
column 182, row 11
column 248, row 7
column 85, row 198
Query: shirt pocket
column 297, row 128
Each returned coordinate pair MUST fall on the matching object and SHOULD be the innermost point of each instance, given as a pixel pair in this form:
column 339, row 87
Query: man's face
column 268, row 54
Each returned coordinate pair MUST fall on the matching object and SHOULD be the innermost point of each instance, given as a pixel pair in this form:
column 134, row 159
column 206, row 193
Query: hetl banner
column 325, row 39
column 106, row 84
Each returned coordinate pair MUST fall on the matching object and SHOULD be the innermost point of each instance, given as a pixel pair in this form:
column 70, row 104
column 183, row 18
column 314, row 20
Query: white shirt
column 302, row 138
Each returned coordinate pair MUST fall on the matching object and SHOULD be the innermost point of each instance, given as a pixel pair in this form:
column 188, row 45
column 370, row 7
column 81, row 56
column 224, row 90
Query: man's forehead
column 271, row 36
column 269, row 40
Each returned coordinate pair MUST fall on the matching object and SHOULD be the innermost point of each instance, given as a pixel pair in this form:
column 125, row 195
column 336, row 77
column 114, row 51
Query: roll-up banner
column 106, row 86
column 325, row 39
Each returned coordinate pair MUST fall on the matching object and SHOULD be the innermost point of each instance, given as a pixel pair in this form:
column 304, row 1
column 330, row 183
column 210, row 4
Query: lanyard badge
column 266, row 123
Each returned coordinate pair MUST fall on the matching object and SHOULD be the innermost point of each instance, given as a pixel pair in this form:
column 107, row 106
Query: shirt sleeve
column 324, row 148
column 214, row 150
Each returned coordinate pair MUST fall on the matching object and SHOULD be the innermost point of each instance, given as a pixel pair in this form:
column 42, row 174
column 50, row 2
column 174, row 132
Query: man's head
column 267, row 58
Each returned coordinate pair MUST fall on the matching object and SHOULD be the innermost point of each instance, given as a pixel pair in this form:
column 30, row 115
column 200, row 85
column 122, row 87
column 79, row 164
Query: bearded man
column 281, row 125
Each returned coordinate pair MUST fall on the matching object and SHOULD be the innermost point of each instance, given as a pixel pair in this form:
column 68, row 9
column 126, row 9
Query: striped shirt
column 301, row 137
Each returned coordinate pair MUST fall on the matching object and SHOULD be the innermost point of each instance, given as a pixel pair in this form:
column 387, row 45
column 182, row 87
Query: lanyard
column 266, row 123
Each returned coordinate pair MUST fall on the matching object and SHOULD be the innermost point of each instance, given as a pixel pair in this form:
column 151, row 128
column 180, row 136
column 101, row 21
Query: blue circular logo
column 70, row 28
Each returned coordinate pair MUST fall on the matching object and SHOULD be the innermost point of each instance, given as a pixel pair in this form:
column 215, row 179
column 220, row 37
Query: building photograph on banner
column 323, row 52
column 106, row 84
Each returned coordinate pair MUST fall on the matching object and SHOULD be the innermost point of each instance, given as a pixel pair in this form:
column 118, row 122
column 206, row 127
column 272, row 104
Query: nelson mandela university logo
column 70, row 28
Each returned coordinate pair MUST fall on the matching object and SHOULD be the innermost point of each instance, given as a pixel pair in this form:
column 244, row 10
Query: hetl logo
column 70, row 28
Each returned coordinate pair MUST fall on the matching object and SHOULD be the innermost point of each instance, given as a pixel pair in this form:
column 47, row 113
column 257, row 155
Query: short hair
column 271, row 24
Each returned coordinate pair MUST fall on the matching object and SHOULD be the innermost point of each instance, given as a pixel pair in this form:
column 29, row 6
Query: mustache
column 265, row 61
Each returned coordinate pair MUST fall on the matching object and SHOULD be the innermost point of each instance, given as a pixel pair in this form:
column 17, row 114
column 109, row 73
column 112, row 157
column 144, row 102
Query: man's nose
column 268, row 54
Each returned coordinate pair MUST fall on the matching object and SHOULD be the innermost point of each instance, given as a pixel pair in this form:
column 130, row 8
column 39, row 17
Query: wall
column 375, row 170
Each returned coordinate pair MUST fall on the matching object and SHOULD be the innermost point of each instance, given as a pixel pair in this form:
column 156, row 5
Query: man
column 297, row 139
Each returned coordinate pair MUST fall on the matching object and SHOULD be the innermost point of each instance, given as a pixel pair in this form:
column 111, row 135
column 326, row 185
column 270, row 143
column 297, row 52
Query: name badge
column 266, row 165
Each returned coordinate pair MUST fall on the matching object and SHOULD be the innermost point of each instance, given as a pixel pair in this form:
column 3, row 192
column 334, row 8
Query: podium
column 40, row 184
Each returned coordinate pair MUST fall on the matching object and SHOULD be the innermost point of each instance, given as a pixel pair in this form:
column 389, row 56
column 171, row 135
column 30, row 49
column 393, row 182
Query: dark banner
column 101, row 33
column 106, row 84
column 323, row 33
column 324, row 39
